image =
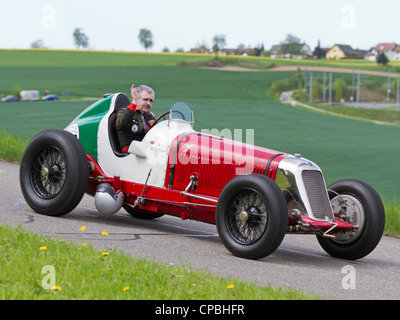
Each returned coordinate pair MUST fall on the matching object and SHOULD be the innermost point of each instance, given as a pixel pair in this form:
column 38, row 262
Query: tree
column 318, row 52
column 146, row 38
column 258, row 50
column 315, row 90
column 291, row 45
column 382, row 59
column 38, row 44
column 80, row 39
column 202, row 47
column 219, row 42
column 339, row 91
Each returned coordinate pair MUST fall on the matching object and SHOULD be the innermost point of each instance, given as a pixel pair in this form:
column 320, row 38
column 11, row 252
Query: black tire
column 251, row 216
column 54, row 172
column 369, row 214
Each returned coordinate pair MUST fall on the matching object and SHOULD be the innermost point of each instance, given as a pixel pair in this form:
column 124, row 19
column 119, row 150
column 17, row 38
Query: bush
column 393, row 88
column 339, row 91
column 16, row 92
column 317, row 91
column 287, row 84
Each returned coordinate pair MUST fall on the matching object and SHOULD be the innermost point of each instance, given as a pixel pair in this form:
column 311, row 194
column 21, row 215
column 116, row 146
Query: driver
column 134, row 121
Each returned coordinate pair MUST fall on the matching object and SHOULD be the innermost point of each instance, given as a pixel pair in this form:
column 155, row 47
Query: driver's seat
column 121, row 101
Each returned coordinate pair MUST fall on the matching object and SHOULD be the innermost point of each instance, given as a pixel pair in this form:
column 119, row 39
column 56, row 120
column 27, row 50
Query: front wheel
column 251, row 216
column 54, row 172
column 359, row 204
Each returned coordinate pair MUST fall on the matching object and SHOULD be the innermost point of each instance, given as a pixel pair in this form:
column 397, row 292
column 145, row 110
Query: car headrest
column 122, row 101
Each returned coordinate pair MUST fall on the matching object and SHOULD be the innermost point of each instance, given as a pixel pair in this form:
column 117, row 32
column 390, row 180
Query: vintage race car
column 254, row 195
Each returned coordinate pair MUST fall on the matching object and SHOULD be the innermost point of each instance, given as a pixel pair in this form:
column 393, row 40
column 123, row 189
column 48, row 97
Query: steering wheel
column 160, row 117
column 166, row 113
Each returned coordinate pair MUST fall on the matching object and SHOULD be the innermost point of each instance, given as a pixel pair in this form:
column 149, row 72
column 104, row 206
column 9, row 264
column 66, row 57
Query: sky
column 115, row 25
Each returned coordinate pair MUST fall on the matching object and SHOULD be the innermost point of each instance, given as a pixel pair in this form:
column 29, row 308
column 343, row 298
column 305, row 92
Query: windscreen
column 181, row 111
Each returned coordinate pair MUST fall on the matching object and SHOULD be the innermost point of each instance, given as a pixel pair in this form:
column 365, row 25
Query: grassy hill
column 220, row 99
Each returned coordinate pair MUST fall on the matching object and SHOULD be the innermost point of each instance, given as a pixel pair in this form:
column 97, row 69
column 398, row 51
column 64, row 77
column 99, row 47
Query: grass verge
column 29, row 263
column 392, row 210
column 11, row 147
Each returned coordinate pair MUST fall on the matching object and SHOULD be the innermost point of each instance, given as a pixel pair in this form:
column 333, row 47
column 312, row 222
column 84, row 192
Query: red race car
column 254, row 195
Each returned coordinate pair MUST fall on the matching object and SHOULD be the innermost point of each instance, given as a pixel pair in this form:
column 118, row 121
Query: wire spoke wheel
column 247, row 217
column 251, row 216
column 48, row 173
column 54, row 172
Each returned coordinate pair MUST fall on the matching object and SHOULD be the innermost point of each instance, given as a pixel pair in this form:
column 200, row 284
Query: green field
column 343, row 148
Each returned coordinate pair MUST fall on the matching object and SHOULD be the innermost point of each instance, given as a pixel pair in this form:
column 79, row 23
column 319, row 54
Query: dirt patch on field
column 330, row 69
column 303, row 68
column 233, row 68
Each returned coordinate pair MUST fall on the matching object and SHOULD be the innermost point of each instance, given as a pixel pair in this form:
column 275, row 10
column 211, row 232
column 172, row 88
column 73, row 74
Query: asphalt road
column 298, row 263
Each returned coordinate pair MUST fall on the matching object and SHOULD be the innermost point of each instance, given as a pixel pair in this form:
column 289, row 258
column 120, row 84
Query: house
column 384, row 47
column 245, row 52
column 396, row 53
column 200, row 50
column 339, row 51
column 342, row 51
column 280, row 51
column 228, row 52
column 237, row 52
column 390, row 49
column 358, row 53
column 370, row 55
column 275, row 49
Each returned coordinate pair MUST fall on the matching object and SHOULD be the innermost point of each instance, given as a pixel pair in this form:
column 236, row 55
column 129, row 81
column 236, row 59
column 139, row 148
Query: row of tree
column 290, row 45
column 81, row 40
column 146, row 40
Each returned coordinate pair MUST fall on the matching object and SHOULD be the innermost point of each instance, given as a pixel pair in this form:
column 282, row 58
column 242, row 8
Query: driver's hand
column 135, row 94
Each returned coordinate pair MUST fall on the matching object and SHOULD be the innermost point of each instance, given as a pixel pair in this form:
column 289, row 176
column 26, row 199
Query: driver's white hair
column 147, row 89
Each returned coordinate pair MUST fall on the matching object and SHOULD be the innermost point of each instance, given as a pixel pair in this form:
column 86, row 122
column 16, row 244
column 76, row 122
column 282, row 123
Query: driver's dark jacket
column 132, row 125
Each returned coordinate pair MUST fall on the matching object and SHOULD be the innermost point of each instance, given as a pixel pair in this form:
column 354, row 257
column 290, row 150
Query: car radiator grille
column 317, row 195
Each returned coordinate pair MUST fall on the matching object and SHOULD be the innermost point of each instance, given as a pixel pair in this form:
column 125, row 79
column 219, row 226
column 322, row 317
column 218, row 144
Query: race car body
column 254, row 195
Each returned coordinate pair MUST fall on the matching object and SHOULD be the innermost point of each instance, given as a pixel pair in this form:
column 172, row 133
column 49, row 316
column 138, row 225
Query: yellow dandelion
column 125, row 289
column 104, row 233
column 83, row 228
column 105, row 254
column 84, row 245
column 43, row 248
column 230, row 286
column 56, row 288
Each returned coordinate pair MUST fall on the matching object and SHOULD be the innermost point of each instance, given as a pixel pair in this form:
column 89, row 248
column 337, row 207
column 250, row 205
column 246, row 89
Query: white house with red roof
column 390, row 49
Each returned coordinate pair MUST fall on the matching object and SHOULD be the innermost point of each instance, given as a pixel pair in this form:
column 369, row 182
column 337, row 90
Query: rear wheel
column 251, row 216
column 54, row 172
column 359, row 204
